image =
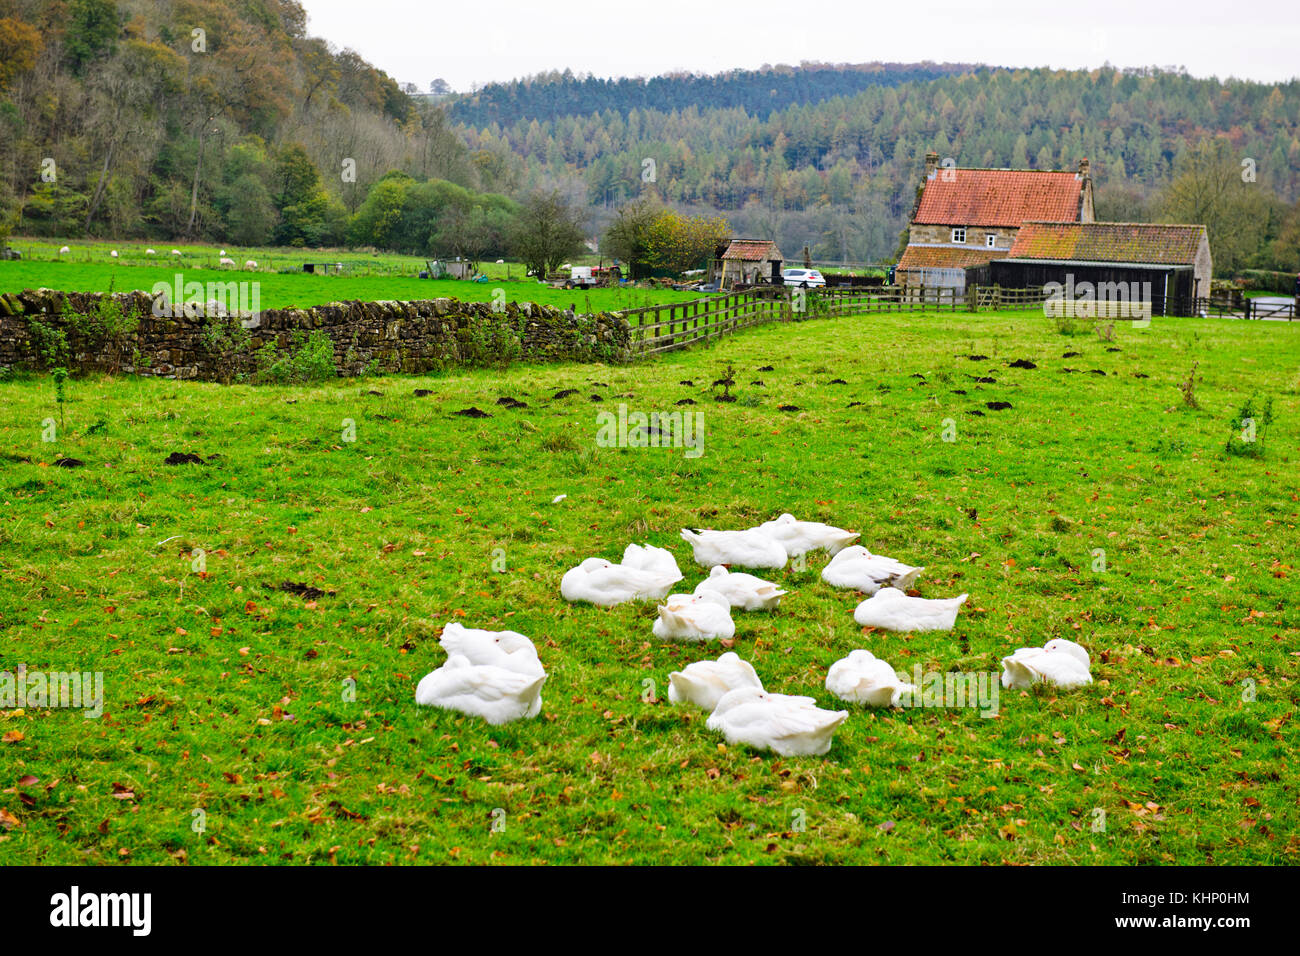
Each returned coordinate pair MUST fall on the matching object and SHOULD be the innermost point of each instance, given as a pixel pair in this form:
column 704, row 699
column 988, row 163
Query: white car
column 803, row 278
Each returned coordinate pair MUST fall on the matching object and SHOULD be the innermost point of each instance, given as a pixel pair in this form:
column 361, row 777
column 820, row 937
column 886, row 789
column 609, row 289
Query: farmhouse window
column 990, row 240
column 959, row 235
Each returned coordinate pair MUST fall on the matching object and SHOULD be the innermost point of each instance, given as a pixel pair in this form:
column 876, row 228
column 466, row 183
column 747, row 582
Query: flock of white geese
column 497, row 675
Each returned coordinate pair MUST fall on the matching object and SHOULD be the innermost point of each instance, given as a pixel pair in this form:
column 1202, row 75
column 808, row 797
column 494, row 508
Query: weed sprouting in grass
column 1249, row 427
column 1188, row 388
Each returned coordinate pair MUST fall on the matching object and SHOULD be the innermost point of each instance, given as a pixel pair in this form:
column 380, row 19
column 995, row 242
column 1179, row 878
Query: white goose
column 743, row 590
column 856, row 567
column 800, row 537
column 1061, row 663
column 863, row 678
column 748, row 549
column 891, row 609
column 649, row 558
column 790, row 726
column 494, row 693
column 606, row 584
column 704, row 682
column 695, row 617
column 506, row 649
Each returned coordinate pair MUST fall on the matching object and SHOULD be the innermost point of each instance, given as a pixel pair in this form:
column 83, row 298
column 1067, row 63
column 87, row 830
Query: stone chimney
column 1087, row 212
column 931, row 164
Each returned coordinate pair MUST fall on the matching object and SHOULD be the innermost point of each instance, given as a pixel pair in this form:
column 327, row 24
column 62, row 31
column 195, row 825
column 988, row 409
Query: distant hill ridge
column 758, row 92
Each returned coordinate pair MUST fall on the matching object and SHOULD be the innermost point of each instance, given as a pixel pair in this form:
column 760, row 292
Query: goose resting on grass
column 863, row 678
column 601, row 582
column 494, row 693
column 790, row 726
column 800, row 537
column 704, row 682
column 748, row 549
column 490, row 674
column 506, row 649
column 1061, row 663
column 856, row 567
column 695, row 617
column 743, row 590
column 892, row 610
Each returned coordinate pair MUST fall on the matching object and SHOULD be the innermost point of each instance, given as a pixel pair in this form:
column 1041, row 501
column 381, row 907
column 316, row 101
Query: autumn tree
column 548, row 231
column 1209, row 189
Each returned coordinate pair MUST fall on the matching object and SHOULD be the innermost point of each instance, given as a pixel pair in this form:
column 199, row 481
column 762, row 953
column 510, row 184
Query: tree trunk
column 100, row 186
column 194, row 190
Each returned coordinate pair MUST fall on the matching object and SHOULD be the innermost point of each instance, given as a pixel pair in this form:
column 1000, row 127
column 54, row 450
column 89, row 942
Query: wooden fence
column 663, row 328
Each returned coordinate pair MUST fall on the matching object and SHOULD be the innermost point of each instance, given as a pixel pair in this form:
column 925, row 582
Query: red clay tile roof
column 751, row 250
column 946, row 257
column 1108, row 242
column 998, row 197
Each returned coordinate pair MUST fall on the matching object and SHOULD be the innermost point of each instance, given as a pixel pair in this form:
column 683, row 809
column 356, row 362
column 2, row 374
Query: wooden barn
column 746, row 262
column 1171, row 263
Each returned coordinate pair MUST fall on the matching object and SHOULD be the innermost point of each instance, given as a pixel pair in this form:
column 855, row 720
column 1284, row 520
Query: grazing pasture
column 283, row 290
column 261, row 619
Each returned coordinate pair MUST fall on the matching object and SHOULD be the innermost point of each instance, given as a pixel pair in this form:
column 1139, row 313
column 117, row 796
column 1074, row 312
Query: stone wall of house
column 206, row 342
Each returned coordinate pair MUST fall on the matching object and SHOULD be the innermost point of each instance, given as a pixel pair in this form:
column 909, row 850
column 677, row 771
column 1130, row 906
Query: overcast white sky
column 479, row 42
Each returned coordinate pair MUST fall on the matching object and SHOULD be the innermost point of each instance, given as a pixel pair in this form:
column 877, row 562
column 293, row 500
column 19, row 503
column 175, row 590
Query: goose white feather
column 790, row 726
column 800, row 537
column 863, row 678
column 742, row 590
column 891, row 609
column 606, row 584
column 509, row 650
column 748, row 549
column 856, row 567
column 494, row 693
column 1062, row 663
column 695, row 617
column 704, row 682
column 649, row 558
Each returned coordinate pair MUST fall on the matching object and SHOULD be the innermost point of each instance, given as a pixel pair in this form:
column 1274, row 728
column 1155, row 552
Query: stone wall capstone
column 386, row 336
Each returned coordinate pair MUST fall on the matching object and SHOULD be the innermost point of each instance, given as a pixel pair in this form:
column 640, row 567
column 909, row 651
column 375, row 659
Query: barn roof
column 752, row 250
column 947, row 257
column 998, row 197
column 1135, row 242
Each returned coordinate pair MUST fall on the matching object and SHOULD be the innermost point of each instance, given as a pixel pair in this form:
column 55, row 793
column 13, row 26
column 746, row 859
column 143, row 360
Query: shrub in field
column 310, row 358
column 48, row 342
column 226, row 339
column 1249, row 425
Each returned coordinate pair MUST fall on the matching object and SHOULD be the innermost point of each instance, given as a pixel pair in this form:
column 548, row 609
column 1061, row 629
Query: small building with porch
column 747, row 262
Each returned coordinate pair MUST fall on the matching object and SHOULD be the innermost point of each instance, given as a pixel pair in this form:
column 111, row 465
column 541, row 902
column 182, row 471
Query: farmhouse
column 1174, row 260
column 746, row 261
column 966, row 218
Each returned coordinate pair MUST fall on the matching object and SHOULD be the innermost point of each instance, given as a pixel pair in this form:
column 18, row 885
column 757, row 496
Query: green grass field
column 88, row 267
column 229, row 734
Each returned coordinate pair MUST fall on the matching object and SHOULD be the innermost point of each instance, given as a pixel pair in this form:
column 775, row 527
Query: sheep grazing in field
column 64, row 251
column 227, row 262
column 250, row 264
column 223, row 252
column 150, row 252
column 113, row 253
column 176, row 252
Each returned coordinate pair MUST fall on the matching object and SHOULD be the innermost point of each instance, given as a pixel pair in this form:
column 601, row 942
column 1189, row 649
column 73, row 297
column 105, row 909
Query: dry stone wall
column 205, row 342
